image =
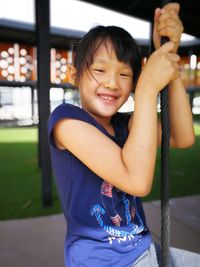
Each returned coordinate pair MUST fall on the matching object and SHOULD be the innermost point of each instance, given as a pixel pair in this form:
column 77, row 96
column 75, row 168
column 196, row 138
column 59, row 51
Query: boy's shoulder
column 65, row 107
column 67, row 110
column 70, row 111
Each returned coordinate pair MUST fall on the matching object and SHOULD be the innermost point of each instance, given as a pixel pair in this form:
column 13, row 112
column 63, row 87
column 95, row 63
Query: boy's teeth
column 107, row 97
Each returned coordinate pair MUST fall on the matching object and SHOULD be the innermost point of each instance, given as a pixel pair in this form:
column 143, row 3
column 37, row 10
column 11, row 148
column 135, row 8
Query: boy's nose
column 111, row 83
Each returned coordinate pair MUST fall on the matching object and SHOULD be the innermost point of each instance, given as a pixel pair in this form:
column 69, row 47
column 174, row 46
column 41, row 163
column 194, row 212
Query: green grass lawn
column 184, row 171
column 20, row 180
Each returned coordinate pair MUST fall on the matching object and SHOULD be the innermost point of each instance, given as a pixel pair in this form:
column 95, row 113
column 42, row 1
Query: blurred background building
column 18, row 56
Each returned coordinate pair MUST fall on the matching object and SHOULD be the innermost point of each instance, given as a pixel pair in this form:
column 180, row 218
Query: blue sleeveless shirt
column 105, row 226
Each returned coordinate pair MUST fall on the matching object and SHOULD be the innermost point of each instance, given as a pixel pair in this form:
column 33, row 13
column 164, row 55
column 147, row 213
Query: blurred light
column 10, row 78
column 4, row 73
column 10, row 60
column 23, row 52
column 22, row 60
column 63, row 60
column 22, row 79
column 57, row 80
column 57, row 64
column 11, row 69
column 4, row 54
column 62, row 76
column 193, row 62
column 11, row 50
column 58, row 56
column 57, row 72
column 64, row 68
column 187, row 66
column 23, row 70
column 3, row 64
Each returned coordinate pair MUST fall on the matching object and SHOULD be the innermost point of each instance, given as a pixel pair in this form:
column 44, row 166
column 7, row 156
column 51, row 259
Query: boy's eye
column 125, row 75
column 98, row 70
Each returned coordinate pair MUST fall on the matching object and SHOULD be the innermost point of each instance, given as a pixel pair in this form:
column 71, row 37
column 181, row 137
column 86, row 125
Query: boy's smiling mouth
column 107, row 98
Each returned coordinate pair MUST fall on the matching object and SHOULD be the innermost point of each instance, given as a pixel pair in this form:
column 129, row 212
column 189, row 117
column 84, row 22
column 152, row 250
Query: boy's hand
column 167, row 23
column 161, row 68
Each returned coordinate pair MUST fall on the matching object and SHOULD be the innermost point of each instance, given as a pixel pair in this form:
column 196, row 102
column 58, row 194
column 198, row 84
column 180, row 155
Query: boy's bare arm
column 167, row 23
column 180, row 116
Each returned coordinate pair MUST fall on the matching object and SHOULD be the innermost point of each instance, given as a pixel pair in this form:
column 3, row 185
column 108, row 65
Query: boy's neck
column 105, row 123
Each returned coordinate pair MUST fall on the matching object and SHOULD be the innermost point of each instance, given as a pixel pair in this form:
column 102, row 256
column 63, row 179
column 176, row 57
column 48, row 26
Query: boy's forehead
column 105, row 47
column 105, row 51
column 110, row 58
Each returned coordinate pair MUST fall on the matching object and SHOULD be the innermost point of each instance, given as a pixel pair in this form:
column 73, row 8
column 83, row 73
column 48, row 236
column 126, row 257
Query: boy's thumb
column 167, row 47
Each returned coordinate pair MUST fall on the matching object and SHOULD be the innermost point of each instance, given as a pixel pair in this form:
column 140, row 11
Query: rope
column 165, row 216
column 165, row 213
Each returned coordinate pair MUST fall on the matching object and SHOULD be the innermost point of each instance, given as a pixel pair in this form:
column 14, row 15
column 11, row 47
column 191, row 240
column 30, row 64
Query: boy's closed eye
column 98, row 70
column 126, row 75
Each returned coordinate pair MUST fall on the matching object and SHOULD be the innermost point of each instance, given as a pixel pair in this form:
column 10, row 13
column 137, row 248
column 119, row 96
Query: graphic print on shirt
column 130, row 215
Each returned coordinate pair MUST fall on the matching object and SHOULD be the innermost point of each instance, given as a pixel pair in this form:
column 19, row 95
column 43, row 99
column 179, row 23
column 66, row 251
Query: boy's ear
column 72, row 75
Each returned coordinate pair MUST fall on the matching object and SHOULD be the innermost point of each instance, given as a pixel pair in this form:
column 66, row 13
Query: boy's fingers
column 157, row 14
column 175, row 58
column 169, row 18
column 171, row 6
column 167, row 15
column 171, row 22
column 167, row 47
column 171, row 33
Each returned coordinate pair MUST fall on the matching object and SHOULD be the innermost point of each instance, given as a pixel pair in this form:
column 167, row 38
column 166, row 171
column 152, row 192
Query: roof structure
column 23, row 32
column 144, row 9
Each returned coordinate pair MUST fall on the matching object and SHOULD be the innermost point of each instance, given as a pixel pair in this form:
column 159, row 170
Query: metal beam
column 7, row 83
column 42, row 12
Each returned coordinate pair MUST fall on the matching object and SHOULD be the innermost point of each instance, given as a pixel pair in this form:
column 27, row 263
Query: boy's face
column 105, row 87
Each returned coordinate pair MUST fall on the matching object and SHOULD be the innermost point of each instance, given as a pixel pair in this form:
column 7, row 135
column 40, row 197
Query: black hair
column 124, row 44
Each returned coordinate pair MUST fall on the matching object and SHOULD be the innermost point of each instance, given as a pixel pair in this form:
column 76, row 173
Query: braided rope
column 165, row 212
column 165, row 216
